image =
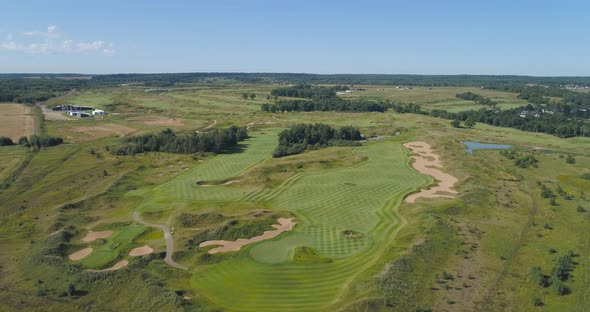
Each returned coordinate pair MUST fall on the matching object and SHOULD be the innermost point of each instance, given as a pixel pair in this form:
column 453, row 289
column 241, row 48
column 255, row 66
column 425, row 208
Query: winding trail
column 169, row 241
column 211, row 125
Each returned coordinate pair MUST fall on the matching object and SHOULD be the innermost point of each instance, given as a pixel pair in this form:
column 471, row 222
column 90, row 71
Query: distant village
column 79, row 111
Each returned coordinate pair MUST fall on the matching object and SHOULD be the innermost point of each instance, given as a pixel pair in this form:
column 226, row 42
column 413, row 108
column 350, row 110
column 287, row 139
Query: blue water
column 472, row 146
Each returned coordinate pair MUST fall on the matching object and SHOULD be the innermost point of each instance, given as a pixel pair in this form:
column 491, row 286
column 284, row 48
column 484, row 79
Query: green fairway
column 363, row 198
column 114, row 247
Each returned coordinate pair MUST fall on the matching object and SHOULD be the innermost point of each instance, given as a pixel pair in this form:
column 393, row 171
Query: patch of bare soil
column 92, row 236
column 141, row 251
column 105, row 130
column 283, row 226
column 80, row 254
column 119, row 265
column 158, row 121
column 427, row 162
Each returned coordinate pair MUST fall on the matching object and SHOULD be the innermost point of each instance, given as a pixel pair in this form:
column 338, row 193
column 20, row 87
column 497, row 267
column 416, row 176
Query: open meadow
column 490, row 242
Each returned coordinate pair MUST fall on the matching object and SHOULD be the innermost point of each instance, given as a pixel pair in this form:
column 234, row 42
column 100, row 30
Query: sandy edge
column 141, row 251
column 283, row 226
column 80, row 254
column 226, row 183
column 427, row 162
column 92, row 236
column 119, row 265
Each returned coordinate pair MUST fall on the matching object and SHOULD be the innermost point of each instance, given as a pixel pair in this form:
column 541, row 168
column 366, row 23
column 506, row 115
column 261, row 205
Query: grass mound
column 303, row 254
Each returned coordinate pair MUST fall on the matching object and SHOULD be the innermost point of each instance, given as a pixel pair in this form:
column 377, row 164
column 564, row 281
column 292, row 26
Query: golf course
column 223, row 196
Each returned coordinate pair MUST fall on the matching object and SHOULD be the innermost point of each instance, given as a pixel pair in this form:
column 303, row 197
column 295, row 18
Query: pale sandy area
column 119, row 265
column 92, row 236
column 427, row 162
column 226, row 183
column 141, row 251
column 283, row 226
column 80, row 254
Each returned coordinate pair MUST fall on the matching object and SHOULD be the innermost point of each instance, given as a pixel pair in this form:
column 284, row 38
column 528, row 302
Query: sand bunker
column 141, row 251
column 119, row 265
column 92, row 236
column 427, row 162
column 222, row 184
column 81, row 254
column 285, row 225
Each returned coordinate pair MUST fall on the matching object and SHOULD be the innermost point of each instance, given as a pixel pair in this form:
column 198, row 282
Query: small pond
column 472, row 146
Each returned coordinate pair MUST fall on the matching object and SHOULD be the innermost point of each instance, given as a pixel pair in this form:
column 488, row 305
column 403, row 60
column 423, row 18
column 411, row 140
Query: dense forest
column 215, row 140
column 302, row 137
column 470, row 96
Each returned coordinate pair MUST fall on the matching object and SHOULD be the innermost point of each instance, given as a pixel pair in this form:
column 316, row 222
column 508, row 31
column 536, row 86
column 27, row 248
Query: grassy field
column 473, row 252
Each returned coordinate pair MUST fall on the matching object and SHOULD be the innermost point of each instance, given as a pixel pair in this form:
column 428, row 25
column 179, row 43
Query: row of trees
column 557, row 124
column 301, row 137
column 33, row 141
column 470, row 96
column 307, row 91
column 216, row 141
column 326, row 104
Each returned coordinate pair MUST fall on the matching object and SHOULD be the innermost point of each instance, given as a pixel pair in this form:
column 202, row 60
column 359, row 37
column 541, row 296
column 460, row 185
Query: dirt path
column 211, row 125
column 141, row 251
column 51, row 115
column 283, row 226
column 119, row 265
column 169, row 241
column 80, row 254
column 427, row 162
column 92, row 236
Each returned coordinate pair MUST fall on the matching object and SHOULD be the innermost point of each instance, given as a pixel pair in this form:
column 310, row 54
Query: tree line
column 215, row 140
column 301, row 137
column 33, row 141
column 470, row 96
column 308, row 91
column 558, row 124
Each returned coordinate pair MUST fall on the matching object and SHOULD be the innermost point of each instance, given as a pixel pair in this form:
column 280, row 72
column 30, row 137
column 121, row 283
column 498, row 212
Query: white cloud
column 49, row 42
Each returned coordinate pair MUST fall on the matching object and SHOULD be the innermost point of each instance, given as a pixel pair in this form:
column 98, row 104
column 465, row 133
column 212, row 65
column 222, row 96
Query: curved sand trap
column 285, row 225
column 119, row 265
column 222, row 184
column 80, row 254
column 141, row 251
column 92, row 236
column 427, row 162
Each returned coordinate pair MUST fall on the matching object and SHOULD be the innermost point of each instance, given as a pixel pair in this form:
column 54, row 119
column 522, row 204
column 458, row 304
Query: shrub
column 5, row 141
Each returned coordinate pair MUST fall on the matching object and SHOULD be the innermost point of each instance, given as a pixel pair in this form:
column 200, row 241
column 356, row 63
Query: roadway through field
column 167, row 237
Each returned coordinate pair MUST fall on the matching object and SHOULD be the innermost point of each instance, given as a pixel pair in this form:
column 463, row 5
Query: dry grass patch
column 16, row 120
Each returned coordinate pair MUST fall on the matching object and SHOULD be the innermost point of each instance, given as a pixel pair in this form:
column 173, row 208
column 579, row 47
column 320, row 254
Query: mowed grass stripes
column 363, row 198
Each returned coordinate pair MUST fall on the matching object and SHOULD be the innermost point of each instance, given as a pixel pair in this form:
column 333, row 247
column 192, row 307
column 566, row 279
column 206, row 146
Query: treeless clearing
column 285, row 225
column 427, row 162
column 104, row 130
column 119, row 265
column 92, row 236
column 158, row 121
column 80, row 254
column 141, row 251
column 16, row 120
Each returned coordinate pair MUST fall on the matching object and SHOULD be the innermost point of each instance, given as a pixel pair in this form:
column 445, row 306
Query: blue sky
column 410, row 37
